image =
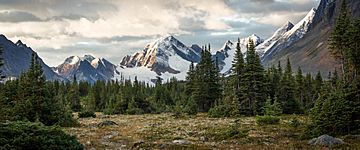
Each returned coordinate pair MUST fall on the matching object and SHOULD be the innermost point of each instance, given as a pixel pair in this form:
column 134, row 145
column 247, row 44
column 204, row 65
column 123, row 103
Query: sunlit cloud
column 112, row 29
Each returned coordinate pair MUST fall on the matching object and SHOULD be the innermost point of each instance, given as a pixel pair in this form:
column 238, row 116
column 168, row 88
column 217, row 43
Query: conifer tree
column 337, row 110
column 310, row 94
column 190, row 79
column 335, row 80
column 254, row 90
column 237, row 73
column 229, row 105
column 287, row 92
column 188, row 105
column 207, row 88
column 353, row 50
column 300, row 91
column 1, row 62
column 74, row 96
column 36, row 100
column 318, row 81
column 339, row 39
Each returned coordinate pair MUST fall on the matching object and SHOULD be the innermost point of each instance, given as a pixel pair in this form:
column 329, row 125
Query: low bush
column 218, row 112
column 267, row 119
column 232, row 132
column 87, row 114
column 294, row 122
column 27, row 135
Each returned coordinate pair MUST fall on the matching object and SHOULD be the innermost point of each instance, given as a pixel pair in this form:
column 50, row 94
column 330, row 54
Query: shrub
column 272, row 109
column 27, row 135
column 294, row 122
column 218, row 112
column 267, row 119
column 86, row 114
column 67, row 120
column 134, row 111
column 232, row 132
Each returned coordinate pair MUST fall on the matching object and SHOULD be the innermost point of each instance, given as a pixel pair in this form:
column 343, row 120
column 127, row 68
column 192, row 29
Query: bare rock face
column 325, row 140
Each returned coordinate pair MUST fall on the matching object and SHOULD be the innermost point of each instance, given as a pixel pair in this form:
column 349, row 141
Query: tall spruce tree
column 207, row 82
column 1, row 62
column 310, row 94
column 254, row 89
column 229, row 105
column 354, row 49
column 318, row 82
column 339, row 39
column 190, row 79
column 188, row 105
column 287, row 92
column 236, row 77
column 74, row 96
column 300, row 89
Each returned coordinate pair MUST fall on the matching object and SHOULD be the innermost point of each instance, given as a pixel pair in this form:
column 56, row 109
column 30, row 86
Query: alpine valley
column 304, row 43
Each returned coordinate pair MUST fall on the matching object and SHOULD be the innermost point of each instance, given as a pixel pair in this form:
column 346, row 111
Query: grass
column 157, row 131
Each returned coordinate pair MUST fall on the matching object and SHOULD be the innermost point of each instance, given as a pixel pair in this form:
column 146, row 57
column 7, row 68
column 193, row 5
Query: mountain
column 165, row 57
column 17, row 58
column 226, row 54
column 273, row 40
column 284, row 39
column 87, row 68
column 308, row 48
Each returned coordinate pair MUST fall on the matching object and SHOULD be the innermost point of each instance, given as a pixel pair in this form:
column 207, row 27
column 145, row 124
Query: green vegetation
column 86, row 114
column 31, row 98
column 27, row 135
column 267, row 119
column 337, row 109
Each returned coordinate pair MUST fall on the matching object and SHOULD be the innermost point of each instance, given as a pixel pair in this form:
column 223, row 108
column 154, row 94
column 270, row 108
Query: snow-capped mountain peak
column 279, row 33
column 98, row 61
column 227, row 46
column 87, row 68
column 256, row 39
column 162, row 56
column 226, row 54
column 303, row 26
column 89, row 58
column 72, row 60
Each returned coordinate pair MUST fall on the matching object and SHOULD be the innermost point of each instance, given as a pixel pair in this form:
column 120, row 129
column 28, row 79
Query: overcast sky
column 112, row 29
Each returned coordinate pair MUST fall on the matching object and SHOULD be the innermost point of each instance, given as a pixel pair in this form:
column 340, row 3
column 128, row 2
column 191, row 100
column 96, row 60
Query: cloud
column 114, row 28
column 262, row 1
column 91, row 9
column 17, row 16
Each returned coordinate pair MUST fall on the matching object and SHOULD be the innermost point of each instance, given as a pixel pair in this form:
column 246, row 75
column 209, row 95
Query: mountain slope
column 17, row 58
column 311, row 52
column 87, row 68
